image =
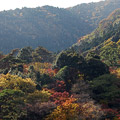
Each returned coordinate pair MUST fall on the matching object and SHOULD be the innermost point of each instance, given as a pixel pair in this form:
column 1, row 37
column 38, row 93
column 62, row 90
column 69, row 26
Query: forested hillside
column 54, row 28
column 79, row 83
column 108, row 28
column 36, row 84
column 93, row 13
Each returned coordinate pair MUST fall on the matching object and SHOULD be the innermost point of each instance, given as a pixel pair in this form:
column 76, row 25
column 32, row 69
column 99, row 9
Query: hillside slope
column 51, row 27
column 108, row 28
column 94, row 12
column 54, row 28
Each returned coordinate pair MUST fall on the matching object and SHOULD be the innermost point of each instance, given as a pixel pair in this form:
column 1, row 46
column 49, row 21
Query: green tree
column 68, row 75
column 110, row 55
column 25, row 54
column 12, row 105
column 95, row 68
column 106, row 88
column 68, row 58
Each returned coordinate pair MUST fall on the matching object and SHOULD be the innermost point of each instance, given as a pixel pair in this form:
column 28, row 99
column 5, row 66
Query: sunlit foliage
column 44, row 68
column 14, row 82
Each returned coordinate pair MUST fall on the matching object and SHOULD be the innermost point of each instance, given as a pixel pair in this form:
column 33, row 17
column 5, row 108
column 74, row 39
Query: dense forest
column 35, row 26
column 81, row 82
column 104, row 40
column 93, row 13
column 36, row 84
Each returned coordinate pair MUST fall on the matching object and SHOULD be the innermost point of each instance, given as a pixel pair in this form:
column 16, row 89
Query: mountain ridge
column 107, row 28
column 51, row 27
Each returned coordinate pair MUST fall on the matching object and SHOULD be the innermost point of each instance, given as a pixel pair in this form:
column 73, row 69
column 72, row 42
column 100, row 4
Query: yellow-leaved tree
column 67, row 111
column 15, row 82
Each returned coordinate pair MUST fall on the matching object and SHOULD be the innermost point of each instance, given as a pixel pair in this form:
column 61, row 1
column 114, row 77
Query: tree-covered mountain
column 103, row 41
column 94, row 12
column 51, row 27
column 36, row 84
column 108, row 28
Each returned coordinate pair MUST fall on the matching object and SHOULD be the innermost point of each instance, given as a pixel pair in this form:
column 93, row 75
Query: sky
column 13, row 4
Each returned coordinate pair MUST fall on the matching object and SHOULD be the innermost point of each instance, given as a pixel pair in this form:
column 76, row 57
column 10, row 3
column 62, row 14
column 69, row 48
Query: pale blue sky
column 12, row 4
